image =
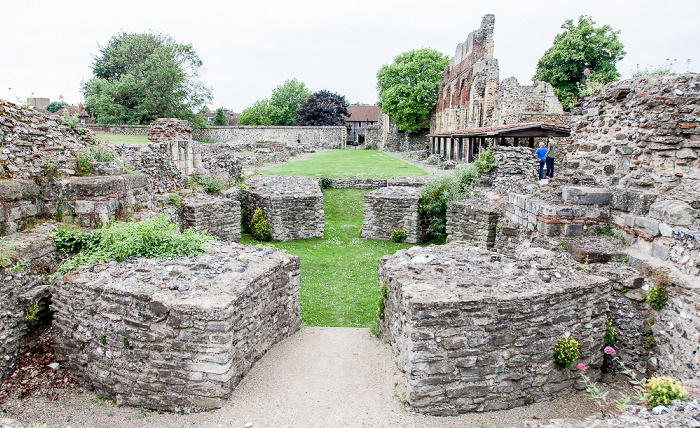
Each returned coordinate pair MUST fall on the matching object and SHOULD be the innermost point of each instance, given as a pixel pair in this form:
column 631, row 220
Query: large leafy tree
column 408, row 88
column 257, row 114
column 141, row 77
column 580, row 47
column 322, row 108
column 285, row 101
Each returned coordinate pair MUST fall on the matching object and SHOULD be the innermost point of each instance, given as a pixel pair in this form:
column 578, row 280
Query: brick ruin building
column 471, row 96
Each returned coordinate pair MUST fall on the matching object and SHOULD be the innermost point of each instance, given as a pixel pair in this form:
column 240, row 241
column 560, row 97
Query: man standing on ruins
column 551, row 154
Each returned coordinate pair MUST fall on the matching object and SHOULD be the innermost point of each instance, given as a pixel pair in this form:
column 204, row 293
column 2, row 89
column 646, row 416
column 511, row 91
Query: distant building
column 83, row 117
column 360, row 118
column 38, row 104
column 231, row 116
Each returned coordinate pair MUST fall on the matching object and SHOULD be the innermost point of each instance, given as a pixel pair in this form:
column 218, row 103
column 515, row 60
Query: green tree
column 256, row 115
column 220, row 118
column 285, row 101
column 55, row 106
column 141, row 77
column 408, row 88
column 578, row 48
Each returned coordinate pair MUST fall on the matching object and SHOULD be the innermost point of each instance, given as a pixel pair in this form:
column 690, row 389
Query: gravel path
column 320, row 377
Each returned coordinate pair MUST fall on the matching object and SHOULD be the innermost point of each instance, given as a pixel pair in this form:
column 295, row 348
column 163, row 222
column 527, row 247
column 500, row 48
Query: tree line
column 140, row 77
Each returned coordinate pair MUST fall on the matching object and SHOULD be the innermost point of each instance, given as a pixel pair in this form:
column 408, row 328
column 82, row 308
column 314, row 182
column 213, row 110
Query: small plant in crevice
column 50, row 167
column 662, row 390
column 380, row 300
column 609, row 339
column 103, row 339
column 126, row 344
column 174, row 199
column 398, row 235
column 325, row 183
column 31, row 312
column 656, row 297
column 604, row 231
column 566, row 352
column 259, row 226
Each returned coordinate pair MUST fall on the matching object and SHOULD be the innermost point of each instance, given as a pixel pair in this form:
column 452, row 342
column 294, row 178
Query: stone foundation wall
column 475, row 331
column 220, row 217
column 292, row 206
column 475, row 221
column 176, row 334
column 375, row 183
column 580, row 209
column 393, row 208
column 317, row 137
column 93, row 201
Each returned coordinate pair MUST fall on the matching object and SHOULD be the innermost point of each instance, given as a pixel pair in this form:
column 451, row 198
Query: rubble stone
column 177, row 334
column 393, row 208
column 475, row 331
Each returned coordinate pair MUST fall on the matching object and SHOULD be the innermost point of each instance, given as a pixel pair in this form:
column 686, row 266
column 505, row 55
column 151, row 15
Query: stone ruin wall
column 175, row 334
column 218, row 216
column 292, row 206
column 175, row 137
column 516, row 104
column 471, row 96
column 479, row 335
column 307, row 138
column 475, row 221
column 393, row 208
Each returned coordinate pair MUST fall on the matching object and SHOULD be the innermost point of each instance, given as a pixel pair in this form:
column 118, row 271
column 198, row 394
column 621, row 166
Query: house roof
column 360, row 113
column 527, row 129
column 72, row 110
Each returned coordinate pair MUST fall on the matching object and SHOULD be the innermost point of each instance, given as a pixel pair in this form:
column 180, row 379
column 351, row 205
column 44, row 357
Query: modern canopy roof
column 528, row 129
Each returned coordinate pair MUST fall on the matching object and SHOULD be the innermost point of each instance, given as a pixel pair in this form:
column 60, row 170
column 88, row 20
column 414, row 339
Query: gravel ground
column 320, row 377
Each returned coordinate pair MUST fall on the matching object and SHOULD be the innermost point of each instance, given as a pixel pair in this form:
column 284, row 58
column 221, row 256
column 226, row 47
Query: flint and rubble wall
column 292, row 206
column 178, row 334
column 393, row 208
column 475, row 221
column 317, row 137
column 220, row 217
column 476, row 342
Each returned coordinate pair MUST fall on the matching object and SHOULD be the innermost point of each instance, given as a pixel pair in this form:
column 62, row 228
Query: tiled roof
column 494, row 130
column 363, row 113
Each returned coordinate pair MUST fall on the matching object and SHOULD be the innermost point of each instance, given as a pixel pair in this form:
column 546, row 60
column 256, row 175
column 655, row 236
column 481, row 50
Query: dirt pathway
column 320, row 377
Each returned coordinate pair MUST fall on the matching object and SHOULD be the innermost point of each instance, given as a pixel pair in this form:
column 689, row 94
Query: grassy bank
column 348, row 163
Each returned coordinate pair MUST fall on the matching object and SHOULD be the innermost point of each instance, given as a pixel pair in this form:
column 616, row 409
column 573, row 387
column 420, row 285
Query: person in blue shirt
column 541, row 154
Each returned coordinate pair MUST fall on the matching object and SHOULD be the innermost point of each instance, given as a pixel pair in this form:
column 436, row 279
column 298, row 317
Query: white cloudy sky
column 249, row 47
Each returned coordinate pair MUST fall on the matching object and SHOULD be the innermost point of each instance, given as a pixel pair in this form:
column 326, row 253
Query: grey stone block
column 660, row 251
column 632, row 200
column 647, row 225
column 582, row 195
column 673, row 212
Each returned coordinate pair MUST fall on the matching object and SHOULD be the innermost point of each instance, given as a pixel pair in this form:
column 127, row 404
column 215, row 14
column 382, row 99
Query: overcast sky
column 250, row 47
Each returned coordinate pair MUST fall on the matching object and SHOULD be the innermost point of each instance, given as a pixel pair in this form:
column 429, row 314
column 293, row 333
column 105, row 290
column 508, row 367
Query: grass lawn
column 123, row 139
column 338, row 273
column 348, row 163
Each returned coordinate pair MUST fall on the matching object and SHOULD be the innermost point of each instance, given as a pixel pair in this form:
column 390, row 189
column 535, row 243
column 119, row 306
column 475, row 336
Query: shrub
column 31, row 312
column 325, row 183
column 656, row 297
column 565, row 352
column 398, row 235
column 661, row 391
column 152, row 238
column 259, row 227
column 74, row 240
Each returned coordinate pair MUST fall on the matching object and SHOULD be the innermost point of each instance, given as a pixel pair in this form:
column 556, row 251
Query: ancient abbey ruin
column 472, row 324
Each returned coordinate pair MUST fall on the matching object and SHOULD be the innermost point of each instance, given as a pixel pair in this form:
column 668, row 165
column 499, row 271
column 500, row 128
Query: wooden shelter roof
column 527, row 129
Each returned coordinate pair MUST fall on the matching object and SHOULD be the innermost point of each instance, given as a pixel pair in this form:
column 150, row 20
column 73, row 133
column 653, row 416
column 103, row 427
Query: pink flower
column 586, row 247
column 637, row 387
column 587, row 72
column 609, row 350
column 580, row 366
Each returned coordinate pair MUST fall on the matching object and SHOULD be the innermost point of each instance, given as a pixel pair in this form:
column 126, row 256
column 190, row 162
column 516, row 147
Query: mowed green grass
column 348, row 163
column 123, row 139
column 339, row 285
